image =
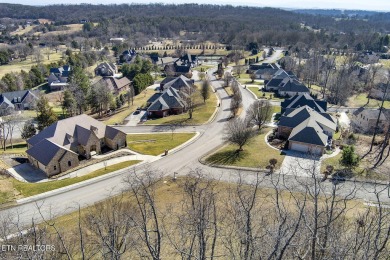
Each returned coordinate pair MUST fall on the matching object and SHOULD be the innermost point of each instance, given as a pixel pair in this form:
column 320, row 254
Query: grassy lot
column 22, row 31
column 125, row 111
column 249, row 82
column 361, row 100
column 255, row 154
column 17, row 66
column 262, row 94
column 17, row 148
column 201, row 115
column 155, row 144
column 203, row 68
column 30, row 189
column 386, row 63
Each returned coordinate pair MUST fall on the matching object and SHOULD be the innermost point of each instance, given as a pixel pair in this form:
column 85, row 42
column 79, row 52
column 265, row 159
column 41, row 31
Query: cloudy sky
column 378, row 5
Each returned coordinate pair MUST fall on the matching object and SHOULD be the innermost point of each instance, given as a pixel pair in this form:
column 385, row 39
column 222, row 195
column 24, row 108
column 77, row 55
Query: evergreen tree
column 28, row 130
column 46, row 116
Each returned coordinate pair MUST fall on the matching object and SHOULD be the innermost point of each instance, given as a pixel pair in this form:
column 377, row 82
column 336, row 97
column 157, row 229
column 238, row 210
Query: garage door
column 316, row 150
column 299, row 147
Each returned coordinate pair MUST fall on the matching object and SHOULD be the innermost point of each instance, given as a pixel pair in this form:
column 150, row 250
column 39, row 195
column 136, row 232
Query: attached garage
column 305, row 148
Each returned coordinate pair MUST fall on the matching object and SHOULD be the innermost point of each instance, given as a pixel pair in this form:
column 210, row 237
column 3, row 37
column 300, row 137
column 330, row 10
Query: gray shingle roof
column 18, row 96
column 304, row 99
column 293, row 85
column 170, row 98
column 45, row 150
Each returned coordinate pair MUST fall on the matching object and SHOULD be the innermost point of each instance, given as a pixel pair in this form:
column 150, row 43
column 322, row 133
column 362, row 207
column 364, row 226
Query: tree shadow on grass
column 226, row 157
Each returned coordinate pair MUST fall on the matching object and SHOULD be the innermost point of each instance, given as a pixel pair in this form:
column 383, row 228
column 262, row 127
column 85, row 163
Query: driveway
column 344, row 121
column 25, row 172
column 300, row 164
column 134, row 119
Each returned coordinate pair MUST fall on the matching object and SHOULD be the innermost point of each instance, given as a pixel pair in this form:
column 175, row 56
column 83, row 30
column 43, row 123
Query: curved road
column 182, row 161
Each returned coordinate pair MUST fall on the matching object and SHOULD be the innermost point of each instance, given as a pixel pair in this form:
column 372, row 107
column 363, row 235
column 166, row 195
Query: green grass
column 249, row 82
column 30, row 189
column 155, row 144
column 262, row 94
column 17, row 66
column 17, row 148
column 201, row 114
column 125, row 111
column 361, row 100
column 203, row 68
column 255, row 154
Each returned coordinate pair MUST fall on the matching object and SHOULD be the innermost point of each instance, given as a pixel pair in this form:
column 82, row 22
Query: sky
column 376, row 5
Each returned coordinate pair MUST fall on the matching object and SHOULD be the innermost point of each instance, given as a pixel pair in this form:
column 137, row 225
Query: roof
column 61, row 71
column 371, row 113
column 293, row 85
column 308, row 125
column 105, row 67
column 304, row 99
column 50, row 150
column 170, row 98
column 179, row 83
column 18, row 96
column 68, row 132
column 115, row 84
column 5, row 103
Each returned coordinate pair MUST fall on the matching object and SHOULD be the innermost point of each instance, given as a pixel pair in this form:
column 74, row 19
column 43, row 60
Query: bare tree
column 237, row 132
column 259, row 112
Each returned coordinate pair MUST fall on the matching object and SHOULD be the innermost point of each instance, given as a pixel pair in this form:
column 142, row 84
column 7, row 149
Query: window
column 69, row 163
column 55, row 167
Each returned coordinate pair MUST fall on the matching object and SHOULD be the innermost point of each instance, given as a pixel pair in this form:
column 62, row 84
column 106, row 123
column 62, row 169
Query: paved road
column 181, row 161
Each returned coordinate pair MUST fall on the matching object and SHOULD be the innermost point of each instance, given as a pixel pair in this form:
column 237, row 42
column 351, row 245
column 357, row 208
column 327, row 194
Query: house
column 306, row 129
column 114, row 84
column 117, row 41
column 276, row 81
column 178, row 68
column 178, row 83
column 300, row 100
column 369, row 57
column 106, row 69
column 265, row 71
column 169, row 102
column 188, row 59
column 58, row 77
column 17, row 100
column 58, row 147
column 291, row 86
column 127, row 56
column 364, row 120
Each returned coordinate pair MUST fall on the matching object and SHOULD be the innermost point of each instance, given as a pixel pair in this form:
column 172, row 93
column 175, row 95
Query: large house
column 58, row 77
column 178, row 83
column 291, row 86
column 17, row 100
column 114, row 84
column 277, row 80
column 106, row 69
column 169, row 102
column 306, row 129
column 300, row 100
column 364, row 120
column 265, row 70
column 58, row 147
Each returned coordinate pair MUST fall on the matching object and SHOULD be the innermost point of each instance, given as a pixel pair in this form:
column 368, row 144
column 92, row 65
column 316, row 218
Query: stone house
column 59, row 147
column 17, row 100
column 364, row 120
column 306, row 129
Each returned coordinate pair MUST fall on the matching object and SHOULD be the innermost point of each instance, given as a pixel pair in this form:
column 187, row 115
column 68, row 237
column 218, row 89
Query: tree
column 28, row 130
column 259, row 112
column 349, row 158
column 141, row 81
column 130, row 96
column 237, row 132
column 80, row 87
column 68, row 103
column 45, row 114
column 252, row 76
column 204, row 92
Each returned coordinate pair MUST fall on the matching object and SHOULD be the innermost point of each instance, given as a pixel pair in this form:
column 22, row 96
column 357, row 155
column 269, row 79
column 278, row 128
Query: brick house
column 306, row 129
column 169, row 102
column 58, row 147
column 17, row 100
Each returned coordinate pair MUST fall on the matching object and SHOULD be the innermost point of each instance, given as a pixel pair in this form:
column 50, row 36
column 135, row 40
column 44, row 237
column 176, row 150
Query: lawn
column 262, row 94
column 155, row 144
column 30, row 189
column 386, row 63
column 17, row 148
column 256, row 154
column 244, row 81
column 361, row 100
column 17, row 66
column 203, row 68
column 125, row 111
column 202, row 113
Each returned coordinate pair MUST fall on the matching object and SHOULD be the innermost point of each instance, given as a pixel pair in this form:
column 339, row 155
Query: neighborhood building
column 17, row 100
column 364, row 120
column 58, row 77
column 58, row 147
column 169, row 102
column 265, row 70
column 127, row 56
column 276, row 81
column 106, row 69
column 179, row 83
column 307, row 130
column 114, row 84
column 291, row 86
column 300, row 100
